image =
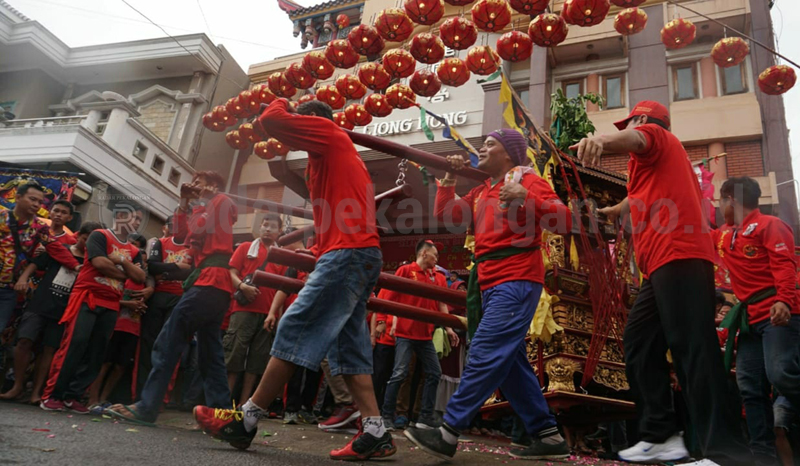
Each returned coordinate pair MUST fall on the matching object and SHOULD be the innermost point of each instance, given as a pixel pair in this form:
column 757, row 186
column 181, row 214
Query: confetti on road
column 131, row 430
column 266, row 434
column 41, row 430
column 48, row 450
column 51, row 436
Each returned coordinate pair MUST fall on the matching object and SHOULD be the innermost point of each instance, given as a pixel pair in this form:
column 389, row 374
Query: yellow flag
column 574, row 260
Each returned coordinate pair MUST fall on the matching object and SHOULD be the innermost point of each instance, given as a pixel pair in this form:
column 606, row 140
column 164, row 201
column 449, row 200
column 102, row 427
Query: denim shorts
column 329, row 316
column 784, row 413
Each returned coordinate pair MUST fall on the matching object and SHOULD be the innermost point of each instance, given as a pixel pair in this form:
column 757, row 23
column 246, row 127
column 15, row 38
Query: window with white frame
column 102, row 122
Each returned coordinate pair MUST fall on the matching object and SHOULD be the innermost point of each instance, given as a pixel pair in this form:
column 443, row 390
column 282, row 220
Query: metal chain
column 402, row 168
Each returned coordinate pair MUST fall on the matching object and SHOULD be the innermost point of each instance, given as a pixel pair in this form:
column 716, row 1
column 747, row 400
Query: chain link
column 402, row 168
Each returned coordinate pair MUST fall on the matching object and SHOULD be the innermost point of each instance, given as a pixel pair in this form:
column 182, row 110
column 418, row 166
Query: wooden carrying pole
column 273, row 206
column 293, row 285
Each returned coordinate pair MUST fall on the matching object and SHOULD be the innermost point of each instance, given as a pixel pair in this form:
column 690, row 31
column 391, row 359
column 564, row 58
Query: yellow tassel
column 543, row 325
column 574, row 260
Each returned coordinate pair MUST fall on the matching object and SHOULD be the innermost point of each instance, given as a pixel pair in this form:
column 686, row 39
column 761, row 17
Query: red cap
column 646, row 107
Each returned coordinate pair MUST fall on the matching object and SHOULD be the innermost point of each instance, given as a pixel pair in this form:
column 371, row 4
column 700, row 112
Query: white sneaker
column 671, row 450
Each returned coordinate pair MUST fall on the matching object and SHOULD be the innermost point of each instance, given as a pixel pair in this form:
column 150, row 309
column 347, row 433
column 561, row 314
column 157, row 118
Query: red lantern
column 235, row 108
column 276, row 147
column 261, row 149
column 400, row 96
column 350, row 87
column 341, row 54
column 249, row 133
column 777, row 79
column 236, row 141
column 298, row 77
column 529, row 7
column 425, row 12
column 482, row 60
column 210, row 122
column 223, row 116
column 306, row 98
column 453, row 72
column 341, row 119
column 586, row 13
column 425, row 83
column 331, row 96
column 280, row 86
column 458, row 33
column 458, row 2
column 399, row 63
column 730, row 51
column 249, row 102
column 630, row 21
column 393, row 24
column 548, row 30
column 427, row 48
column 342, row 21
column 374, row 76
column 491, row 15
column 377, row 105
column 357, row 115
column 627, row 3
column 317, row 65
column 514, row 46
column 678, row 33
column 262, row 94
column 365, row 40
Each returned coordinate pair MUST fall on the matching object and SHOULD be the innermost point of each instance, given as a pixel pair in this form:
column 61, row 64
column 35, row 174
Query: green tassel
column 423, row 117
column 491, row 77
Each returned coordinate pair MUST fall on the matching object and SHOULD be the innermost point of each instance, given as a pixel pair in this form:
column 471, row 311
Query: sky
column 258, row 31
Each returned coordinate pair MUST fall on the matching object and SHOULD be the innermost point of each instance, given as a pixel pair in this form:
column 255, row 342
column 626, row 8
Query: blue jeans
column 426, row 355
column 8, row 301
column 200, row 310
column 329, row 315
column 497, row 357
column 767, row 356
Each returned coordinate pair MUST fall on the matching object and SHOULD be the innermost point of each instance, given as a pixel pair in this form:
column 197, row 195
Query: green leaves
column 571, row 123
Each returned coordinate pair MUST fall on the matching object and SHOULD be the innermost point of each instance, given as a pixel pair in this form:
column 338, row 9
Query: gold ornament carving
column 561, row 372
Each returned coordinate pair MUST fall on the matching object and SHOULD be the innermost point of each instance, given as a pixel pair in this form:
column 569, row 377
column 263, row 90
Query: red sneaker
column 225, row 424
column 51, row 404
column 365, row 446
column 343, row 416
column 76, row 407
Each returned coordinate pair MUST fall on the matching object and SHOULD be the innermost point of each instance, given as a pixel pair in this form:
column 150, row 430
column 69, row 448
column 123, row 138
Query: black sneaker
column 431, row 442
column 426, row 423
column 539, row 451
column 365, row 446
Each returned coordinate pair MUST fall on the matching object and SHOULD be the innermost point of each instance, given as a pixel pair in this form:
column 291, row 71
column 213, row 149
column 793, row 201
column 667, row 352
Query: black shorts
column 122, row 348
column 33, row 326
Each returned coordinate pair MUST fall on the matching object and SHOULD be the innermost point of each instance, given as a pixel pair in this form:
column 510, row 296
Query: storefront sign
column 408, row 125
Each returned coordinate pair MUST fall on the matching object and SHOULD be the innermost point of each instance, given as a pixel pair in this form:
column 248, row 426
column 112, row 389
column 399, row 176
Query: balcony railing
column 44, row 122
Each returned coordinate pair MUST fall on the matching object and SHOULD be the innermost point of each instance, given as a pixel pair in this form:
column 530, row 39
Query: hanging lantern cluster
column 331, row 96
column 399, row 63
column 306, row 98
column 394, row 25
column 377, row 105
column 276, row 147
column 585, row 13
column 453, row 72
column 212, row 123
column 280, row 86
column 514, row 46
column 730, row 51
column 249, row 133
column 250, row 103
column 529, row 7
column 425, row 83
column 491, row 15
column 261, row 149
column 458, row 33
column 630, row 21
column 317, row 65
column 342, row 21
column 425, row 12
column 678, row 33
column 221, row 114
column 548, row 30
column 357, row 115
column 298, row 77
column 235, row 108
column 341, row 119
column 262, row 94
column 777, row 79
column 427, row 48
column 400, row 96
column 341, row 54
column 350, row 87
column 374, row 76
column 482, row 60
column 365, row 40
column 236, row 141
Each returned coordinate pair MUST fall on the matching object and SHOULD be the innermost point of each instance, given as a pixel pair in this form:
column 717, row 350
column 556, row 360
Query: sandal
column 132, row 416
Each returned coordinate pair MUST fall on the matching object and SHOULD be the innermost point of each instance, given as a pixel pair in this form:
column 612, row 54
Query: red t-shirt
column 129, row 321
column 172, row 252
column 209, row 231
column 246, row 266
column 667, row 217
column 65, row 238
column 107, row 292
column 413, row 329
column 342, row 192
column 493, row 231
column 759, row 255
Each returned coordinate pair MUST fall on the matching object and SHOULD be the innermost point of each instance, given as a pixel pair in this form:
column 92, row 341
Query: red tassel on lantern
column 236, row 141
column 427, row 48
column 514, row 46
column 400, row 96
column 350, row 87
column 341, row 54
column 317, row 65
column 262, row 94
column 425, row 83
column 342, row 21
column 365, row 40
column 377, row 105
column 341, row 119
column 306, row 98
column 730, row 51
column 529, row 7
column 277, row 147
column 298, row 77
column 261, row 149
column 630, row 21
column 482, row 60
column 393, row 24
column 399, row 63
column 453, row 72
column 548, row 30
column 627, row 3
column 425, row 12
column 678, row 33
column 280, row 86
column 491, row 15
column 458, row 33
column 586, row 13
column 331, row 96
column 777, row 79
column 357, row 115
column 374, row 76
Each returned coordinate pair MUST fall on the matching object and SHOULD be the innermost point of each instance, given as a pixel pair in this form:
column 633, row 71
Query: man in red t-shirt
column 60, row 214
column 675, row 307
column 246, row 342
column 757, row 250
column 329, row 315
column 414, row 337
column 208, row 231
column 93, row 310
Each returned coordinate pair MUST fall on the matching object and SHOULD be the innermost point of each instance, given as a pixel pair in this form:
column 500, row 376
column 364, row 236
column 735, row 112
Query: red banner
column 399, row 249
